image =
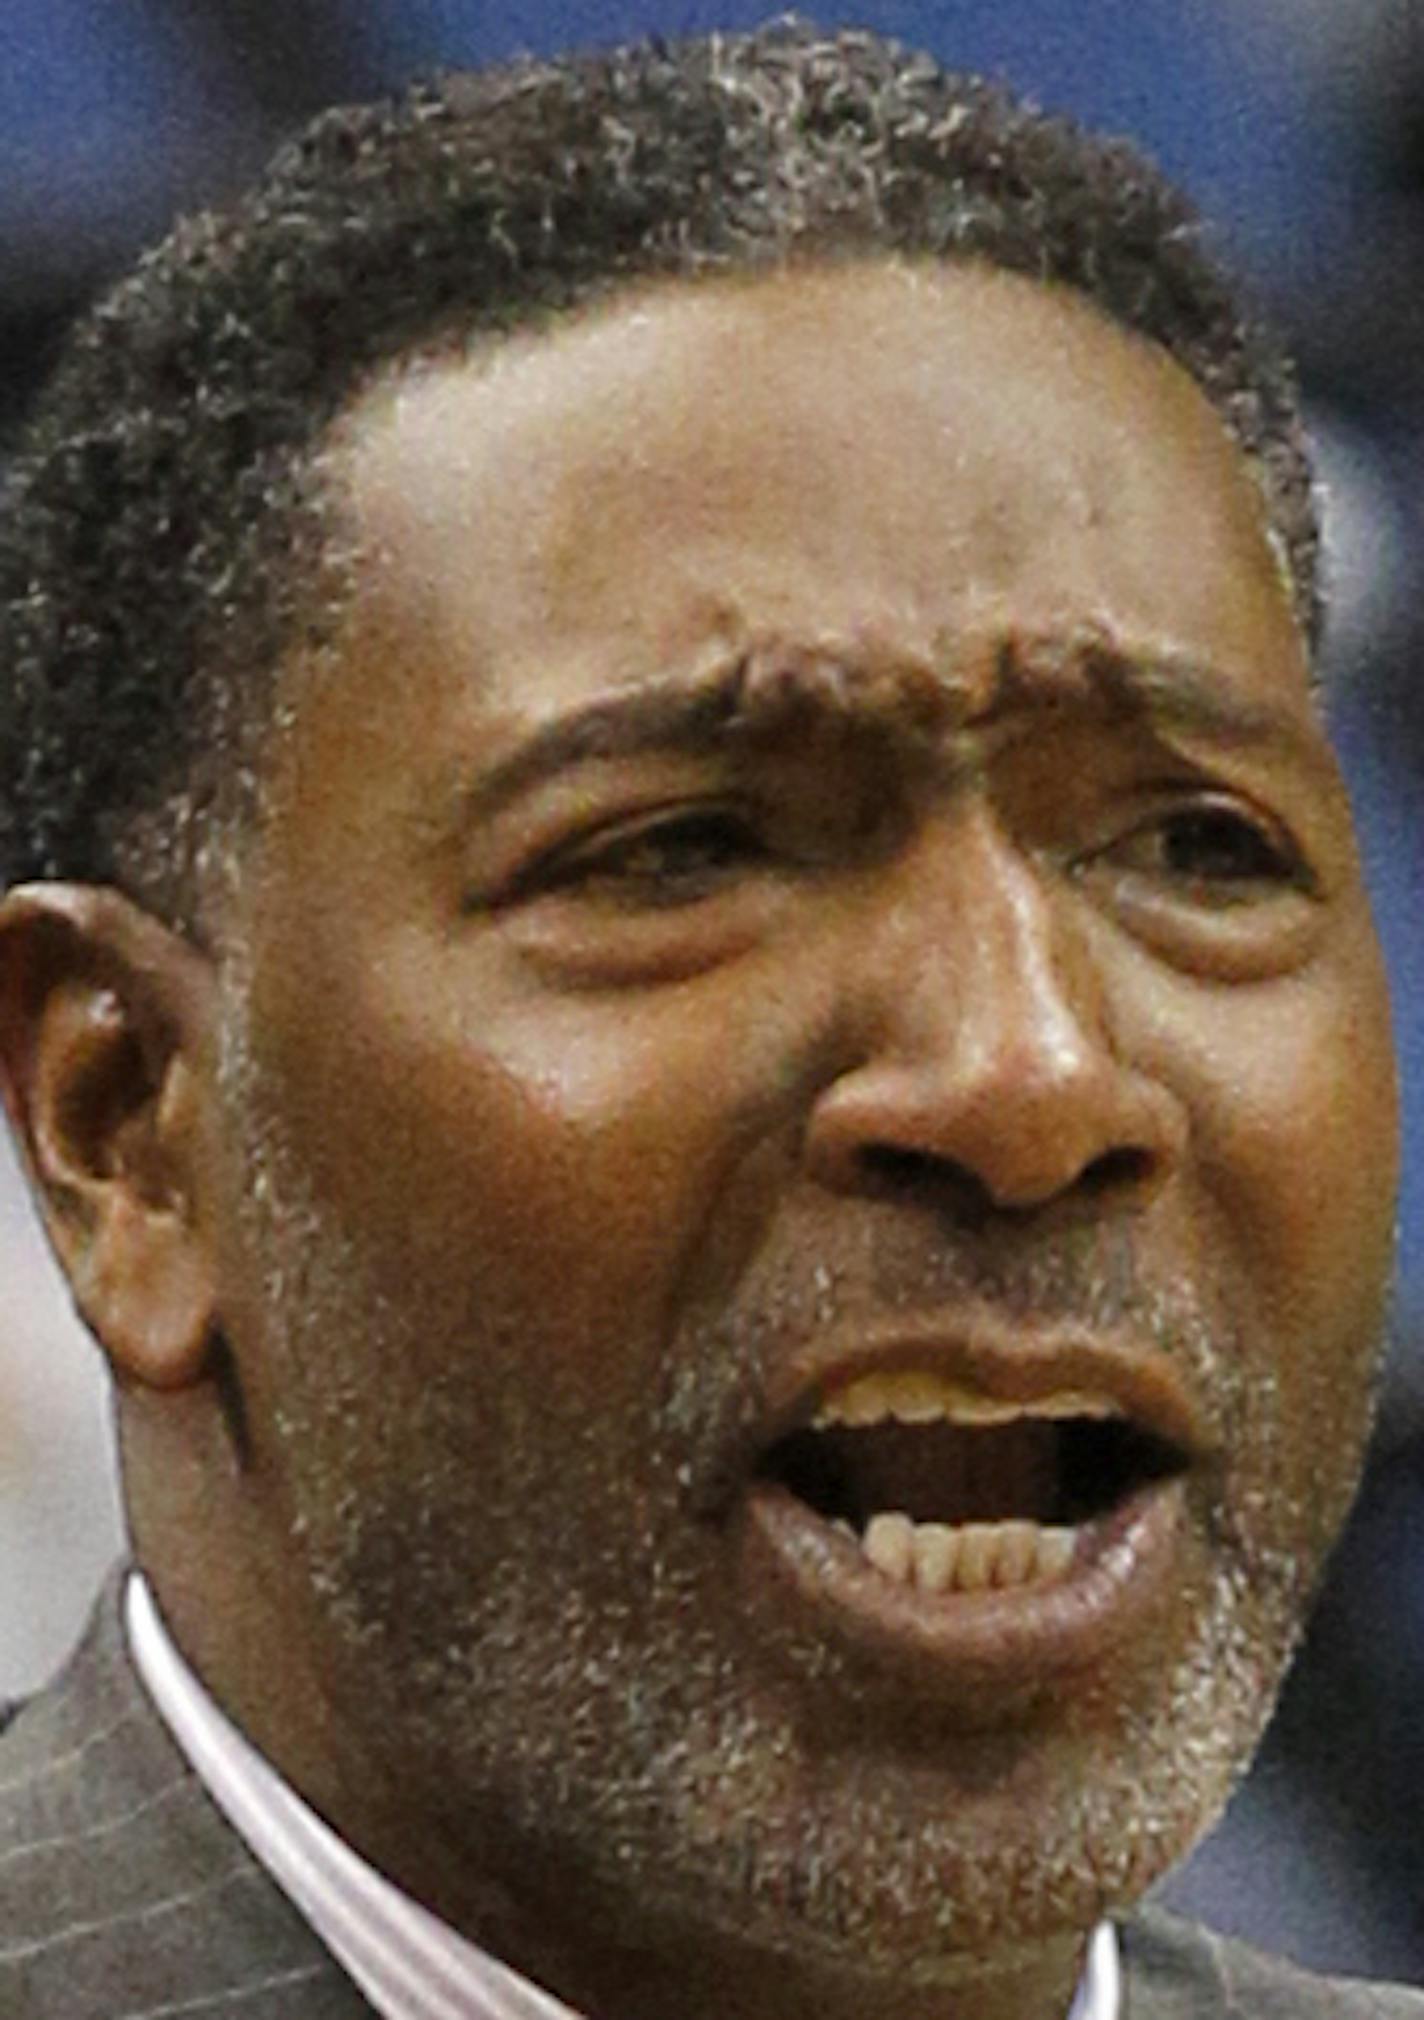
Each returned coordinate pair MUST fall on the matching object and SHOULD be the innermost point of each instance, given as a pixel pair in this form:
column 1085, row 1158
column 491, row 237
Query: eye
column 671, row 859
column 1213, row 885
column 1218, row 851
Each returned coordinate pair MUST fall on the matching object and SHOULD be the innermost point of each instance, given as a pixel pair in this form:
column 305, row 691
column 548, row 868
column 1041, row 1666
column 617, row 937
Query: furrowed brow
column 1174, row 691
column 1090, row 668
column 743, row 699
column 905, row 707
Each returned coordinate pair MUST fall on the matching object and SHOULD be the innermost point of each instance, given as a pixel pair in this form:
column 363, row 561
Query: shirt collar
column 408, row 1963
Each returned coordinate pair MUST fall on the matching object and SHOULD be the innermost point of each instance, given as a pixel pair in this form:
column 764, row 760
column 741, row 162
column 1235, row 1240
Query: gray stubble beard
column 624, row 1748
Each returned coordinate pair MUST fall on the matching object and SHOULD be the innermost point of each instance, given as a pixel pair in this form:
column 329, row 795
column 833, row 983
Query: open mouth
column 947, row 1489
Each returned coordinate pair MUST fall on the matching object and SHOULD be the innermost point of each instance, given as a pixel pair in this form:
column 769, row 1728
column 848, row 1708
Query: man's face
column 811, row 893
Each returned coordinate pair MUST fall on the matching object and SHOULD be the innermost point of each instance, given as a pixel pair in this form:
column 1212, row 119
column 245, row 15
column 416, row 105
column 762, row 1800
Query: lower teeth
column 967, row 1556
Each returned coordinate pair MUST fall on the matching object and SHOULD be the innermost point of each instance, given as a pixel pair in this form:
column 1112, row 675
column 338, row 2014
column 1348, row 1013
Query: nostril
column 892, row 1170
column 1125, row 1168
column 892, row 1165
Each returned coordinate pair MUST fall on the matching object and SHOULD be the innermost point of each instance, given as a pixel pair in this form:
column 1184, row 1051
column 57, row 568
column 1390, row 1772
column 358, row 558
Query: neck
column 704, row 1983
column 706, row 1977
column 609, row 1959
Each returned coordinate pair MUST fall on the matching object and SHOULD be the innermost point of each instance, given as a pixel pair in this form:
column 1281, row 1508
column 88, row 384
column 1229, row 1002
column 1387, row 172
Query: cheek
column 1291, row 1093
column 570, row 1169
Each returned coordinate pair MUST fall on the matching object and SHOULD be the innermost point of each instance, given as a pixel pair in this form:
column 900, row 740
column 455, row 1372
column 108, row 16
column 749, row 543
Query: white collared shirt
column 408, row 1963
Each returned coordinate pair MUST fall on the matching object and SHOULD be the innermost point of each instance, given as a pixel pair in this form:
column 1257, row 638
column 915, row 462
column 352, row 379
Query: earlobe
column 103, row 1012
column 146, row 1293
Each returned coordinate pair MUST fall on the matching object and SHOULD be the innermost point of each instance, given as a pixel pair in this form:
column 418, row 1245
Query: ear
column 106, row 1016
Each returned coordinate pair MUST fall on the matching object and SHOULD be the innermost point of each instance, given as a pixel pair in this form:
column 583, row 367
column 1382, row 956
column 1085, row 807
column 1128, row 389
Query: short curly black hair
column 161, row 526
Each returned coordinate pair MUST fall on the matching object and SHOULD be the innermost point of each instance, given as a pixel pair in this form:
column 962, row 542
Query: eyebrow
column 1182, row 693
column 750, row 695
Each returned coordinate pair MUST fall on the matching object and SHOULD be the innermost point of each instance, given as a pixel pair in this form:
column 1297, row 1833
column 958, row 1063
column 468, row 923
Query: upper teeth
column 917, row 1396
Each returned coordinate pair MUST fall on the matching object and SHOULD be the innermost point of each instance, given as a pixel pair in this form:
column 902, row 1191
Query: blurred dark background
column 1299, row 127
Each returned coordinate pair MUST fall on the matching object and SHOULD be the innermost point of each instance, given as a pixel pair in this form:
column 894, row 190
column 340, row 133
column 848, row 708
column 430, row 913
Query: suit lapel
column 124, row 1894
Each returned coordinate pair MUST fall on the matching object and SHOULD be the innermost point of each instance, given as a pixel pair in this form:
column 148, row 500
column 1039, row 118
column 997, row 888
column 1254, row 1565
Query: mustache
column 1088, row 1277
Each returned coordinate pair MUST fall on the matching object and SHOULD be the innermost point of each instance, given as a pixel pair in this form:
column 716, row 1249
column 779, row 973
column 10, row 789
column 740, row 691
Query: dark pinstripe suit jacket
column 125, row 1896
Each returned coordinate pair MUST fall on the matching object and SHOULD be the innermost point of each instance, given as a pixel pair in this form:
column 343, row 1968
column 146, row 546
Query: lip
column 1018, row 1363
column 821, row 1591
column 815, row 1589
column 1006, row 1362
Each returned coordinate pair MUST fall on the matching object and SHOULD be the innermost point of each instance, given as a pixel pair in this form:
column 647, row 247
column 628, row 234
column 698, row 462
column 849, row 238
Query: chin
column 877, row 1867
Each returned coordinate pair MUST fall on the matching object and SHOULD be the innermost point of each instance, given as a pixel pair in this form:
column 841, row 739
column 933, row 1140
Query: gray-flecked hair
column 162, row 538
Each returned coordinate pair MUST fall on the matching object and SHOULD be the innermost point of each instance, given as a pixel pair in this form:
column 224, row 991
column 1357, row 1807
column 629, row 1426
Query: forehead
column 904, row 453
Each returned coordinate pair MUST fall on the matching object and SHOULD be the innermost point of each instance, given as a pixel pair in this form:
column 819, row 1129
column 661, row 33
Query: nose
column 985, row 1066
